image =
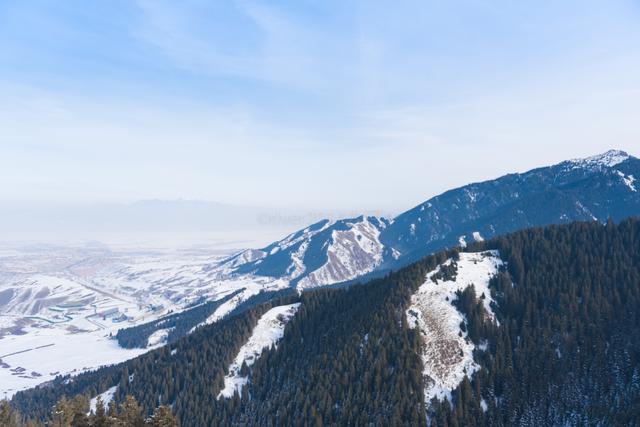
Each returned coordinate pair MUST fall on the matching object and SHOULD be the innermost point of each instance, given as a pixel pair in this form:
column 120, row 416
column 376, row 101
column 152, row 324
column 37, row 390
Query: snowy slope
column 447, row 353
column 324, row 253
column 350, row 253
column 594, row 188
column 268, row 331
column 106, row 398
column 328, row 252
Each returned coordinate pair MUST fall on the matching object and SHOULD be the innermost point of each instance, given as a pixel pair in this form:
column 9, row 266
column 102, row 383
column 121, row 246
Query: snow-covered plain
column 268, row 331
column 41, row 354
column 59, row 305
column 447, row 353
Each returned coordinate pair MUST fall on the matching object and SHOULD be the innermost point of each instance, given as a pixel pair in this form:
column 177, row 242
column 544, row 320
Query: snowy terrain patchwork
column 56, row 302
column 59, row 306
column 268, row 331
column 324, row 253
column 447, row 353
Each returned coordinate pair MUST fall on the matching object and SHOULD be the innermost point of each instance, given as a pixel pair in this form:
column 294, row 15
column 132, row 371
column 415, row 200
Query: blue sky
column 331, row 104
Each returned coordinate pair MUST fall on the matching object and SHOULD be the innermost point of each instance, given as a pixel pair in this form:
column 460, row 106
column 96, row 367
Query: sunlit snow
column 447, row 353
column 268, row 331
column 106, row 397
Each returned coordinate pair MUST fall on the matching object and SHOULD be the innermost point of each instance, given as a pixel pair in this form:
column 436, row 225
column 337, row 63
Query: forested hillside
column 567, row 351
column 176, row 325
column 564, row 349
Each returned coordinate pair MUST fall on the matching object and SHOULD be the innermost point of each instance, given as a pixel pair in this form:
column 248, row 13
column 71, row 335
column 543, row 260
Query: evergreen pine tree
column 8, row 416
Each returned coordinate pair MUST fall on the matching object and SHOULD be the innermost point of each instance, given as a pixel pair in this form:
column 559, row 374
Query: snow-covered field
column 268, row 331
column 447, row 353
column 59, row 305
column 40, row 355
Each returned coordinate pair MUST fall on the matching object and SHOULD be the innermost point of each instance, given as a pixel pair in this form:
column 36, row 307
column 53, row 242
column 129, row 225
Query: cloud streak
column 310, row 103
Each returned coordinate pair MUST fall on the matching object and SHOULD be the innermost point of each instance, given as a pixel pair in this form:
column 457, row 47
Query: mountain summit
column 328, row 252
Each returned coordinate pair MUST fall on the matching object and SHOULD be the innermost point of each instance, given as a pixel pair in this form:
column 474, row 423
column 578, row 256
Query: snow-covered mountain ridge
column 594, row 188
column 53, row 302
column 324, row 253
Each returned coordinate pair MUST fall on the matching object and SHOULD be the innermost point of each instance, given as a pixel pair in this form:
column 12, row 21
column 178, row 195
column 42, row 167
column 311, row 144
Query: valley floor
column 60, row 306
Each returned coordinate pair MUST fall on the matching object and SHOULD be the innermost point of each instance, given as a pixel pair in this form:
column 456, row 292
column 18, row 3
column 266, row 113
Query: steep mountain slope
column 324, row 253
column 595, row 188
column 539, row 327
column 67, row 298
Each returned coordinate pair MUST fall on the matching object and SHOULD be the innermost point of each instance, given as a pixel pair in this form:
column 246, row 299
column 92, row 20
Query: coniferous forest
column 565, row 351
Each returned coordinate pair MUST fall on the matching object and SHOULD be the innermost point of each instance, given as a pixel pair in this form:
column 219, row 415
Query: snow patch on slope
column 250, row 288
column 106, row 397
column 268, row 331
column 158, row 338
column 447, row 353
column 627, row 180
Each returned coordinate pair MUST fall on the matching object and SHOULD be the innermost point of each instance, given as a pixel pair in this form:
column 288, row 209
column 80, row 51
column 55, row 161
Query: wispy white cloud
column 269, row 46
column 324, row 103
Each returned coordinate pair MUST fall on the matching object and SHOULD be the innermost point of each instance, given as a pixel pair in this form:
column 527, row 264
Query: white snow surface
column 267, row 332
column 54, row 303
column 351, row 251
column 158, row 338
column 447, row 353
column 250, row 286
column 627, row 180
column 477, row 236
column 106, row 397
column 609, row 159
column 41, row 355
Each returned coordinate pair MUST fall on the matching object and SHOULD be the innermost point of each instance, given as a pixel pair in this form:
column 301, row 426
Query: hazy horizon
column 332, row 105
column 178, row 223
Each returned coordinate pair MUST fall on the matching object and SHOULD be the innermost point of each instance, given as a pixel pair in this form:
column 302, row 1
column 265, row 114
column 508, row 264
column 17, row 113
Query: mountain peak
column 608, row 159
column 336, row 251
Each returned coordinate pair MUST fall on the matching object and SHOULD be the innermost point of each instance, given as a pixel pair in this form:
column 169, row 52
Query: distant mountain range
column 328, row 252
